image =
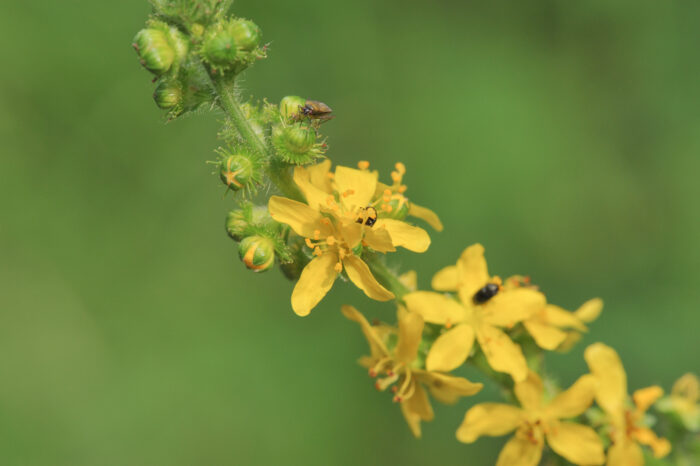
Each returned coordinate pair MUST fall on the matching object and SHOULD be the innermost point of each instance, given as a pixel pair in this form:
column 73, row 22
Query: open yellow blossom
column 627, row 430
column 683, row 401
column 553, row 327
column 537, row 421
column 403, row 367
column 474, row 318
column 336, row 227
column 389, row 201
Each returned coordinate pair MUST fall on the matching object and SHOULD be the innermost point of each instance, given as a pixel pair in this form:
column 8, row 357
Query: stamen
column 309, row 243
column 387, row 193
column 317, row 251
column 402, row 188
column 387, row 207
column 330, row 240
column 363, row 165
column 407, row 388
column 373, row 371
column 383, row 384
column 349, row 192
column 400, row 167
column 338, row 267
column 396, row 177
column 317, row 234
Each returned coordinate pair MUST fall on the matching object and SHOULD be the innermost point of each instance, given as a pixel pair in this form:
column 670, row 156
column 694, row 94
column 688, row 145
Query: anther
column 317, row 234
column 396, row 177
column 363, row 165
column 330, row 240
column 338, row 267
column 309, row 243
column 349, row 192
column 317, row 251
column 401, row 168
column 402, row 188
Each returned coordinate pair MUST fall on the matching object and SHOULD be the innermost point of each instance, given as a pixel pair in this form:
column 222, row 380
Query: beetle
column 486, row 293
column 368, row 216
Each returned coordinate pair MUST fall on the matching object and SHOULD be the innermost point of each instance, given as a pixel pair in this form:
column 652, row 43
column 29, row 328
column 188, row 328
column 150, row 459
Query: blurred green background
column 564, row 136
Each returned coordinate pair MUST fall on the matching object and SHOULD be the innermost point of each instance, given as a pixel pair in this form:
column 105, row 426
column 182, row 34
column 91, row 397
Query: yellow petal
column 492, row 419
column 660, row 446
column 425, row 214
column 502, row 354
column 473, row 273
column 417, row 409
column 447, row 388
column 520, row 451
column 303, row 219
column 509, row 307
column 574, row 401
column 687, row 387
column 434, row 307
column 625, row 453
column 315, row 281
column 402, row 234
column 546, row 336
column 351, row 233
column 355, row 186
column 590, row 310
column 409, row 280
column 450, row 350
column 529, row 392
column 558, row 317
column 318, row 175
column 410, row 334
column 645, row 397
column 315, row 195
column 575, row 442
column 605, row 365
column 376, row 344
column 359, row 273
column 378, row 239
column 446, row 279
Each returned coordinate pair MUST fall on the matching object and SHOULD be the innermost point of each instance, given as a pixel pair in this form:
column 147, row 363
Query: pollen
column 349, row 192
column 317, row 234
column 402, row 188
column 330, row 240
column 400, row 167
column 387, row 207
column 396, row 176
column 338, row 267
column 317, row 251
column 309, row 243
column 363, row 165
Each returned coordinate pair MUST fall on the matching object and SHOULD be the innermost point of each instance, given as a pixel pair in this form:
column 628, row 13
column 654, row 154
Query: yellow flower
column 553, row 327
column 403, row 367
column 473, row 317
column 336, row 226
column 316, row 182
column 536, row 422
column 627, row 430
column 683, row 401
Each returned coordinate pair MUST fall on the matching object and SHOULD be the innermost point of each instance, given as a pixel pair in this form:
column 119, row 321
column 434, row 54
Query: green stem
column 386, row 277
column 225, row 88
column 281, row 175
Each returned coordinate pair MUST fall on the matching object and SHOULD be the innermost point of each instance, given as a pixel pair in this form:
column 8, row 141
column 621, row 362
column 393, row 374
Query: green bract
column 296, row 143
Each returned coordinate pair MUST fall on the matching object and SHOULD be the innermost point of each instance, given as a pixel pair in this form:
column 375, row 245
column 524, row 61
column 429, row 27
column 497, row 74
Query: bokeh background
column 564, row 136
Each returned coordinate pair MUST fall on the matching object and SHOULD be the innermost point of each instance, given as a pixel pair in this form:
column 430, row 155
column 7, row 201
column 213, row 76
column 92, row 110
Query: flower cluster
column 320, row 224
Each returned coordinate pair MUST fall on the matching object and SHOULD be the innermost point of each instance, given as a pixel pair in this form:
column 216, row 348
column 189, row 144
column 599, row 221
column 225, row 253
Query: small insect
column 315, row 110
column 368, row 216
column 486, row 293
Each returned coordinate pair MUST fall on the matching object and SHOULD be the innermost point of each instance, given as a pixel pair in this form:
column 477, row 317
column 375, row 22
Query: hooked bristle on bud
column 231, row 45
column 155, row 52
column 220, row 49
column 257, row 253
column 296, row 143
column 290, row 107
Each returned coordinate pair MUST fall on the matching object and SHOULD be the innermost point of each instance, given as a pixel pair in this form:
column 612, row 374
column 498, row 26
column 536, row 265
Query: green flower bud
column 289, row 107
column 236, row 171
column 236, row 224
column 168, row 95
column 396, row 207
column 246, row 34
column 197, row 30
column 296, row 143
column 220, row 49
column 257, row 253
column 155, row 52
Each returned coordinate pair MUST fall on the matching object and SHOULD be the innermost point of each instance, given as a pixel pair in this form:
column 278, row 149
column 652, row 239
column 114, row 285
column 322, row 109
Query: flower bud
column 220, row 48
column 168, row 95
column 236, row 224
column 396, row 207
column 236, row 171
column 289, row 107
column 155, row 52
column 257, row 253
column 296, row 143
column 246, row 34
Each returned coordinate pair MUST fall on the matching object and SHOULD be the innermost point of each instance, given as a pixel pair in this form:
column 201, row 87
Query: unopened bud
column 236, row 171
column 296, row 143
column 220, row 48
column 257, row 253
column 155, row 52
column 246, row 34
column 290, row 105
column 168, row 94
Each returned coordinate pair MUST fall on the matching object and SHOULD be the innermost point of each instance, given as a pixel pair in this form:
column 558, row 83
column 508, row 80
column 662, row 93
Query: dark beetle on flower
column 486, row 293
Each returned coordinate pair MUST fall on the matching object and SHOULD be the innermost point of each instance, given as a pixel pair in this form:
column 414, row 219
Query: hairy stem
column 387, row 277
column 225, row 89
